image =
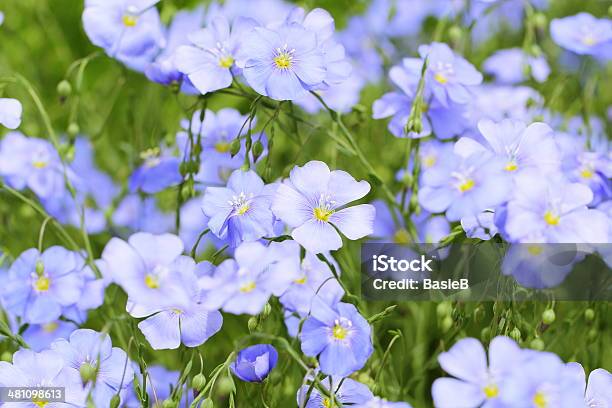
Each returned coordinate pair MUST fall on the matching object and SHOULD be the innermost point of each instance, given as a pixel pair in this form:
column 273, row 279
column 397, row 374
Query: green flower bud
column 224, row 385
column 88, row 372
column 479, row 314
column 537, row 344
column 589, row 315
column 266, row 310
column 183, row 169
column 207, row 403
column 198, row 382
column 485, row 334
column 455, row 33
column 7, row 356
column 446, row 324
column 115, row 401
column 73, row 129
column 540, row 20
column 64, row 89
column 40, row 267
column 444, row 309
column 253, row 323
column 235, row 147
column 515, row 334
column 548, row 316
column 169, row 404
column 257, row 150
column 592, row 334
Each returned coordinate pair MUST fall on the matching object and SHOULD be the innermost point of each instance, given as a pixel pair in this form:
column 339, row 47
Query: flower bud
column 266, row 310
column 253, row 323
column 235, row 147
column 455, row 33
column 207, row 403
column 115, row 401
column 40, row 267
column 88, row 373
column 446, row 324
column 485, row 334
column 73, row 129
column 198, row 382
column 444, row 309
column 537, row 344
column 540, row 20
column 589, row 315
column 548, row 316
column 257, row 150
column 7, row 356
column 515, row 334
column 169, row 404
column 64, row 89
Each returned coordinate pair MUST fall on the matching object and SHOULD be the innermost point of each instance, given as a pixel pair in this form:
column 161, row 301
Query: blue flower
column 10, row 113
column 476, row 382
column 543, row 380
column 88, row 349
column 244, row 284
column 212, row 59
column 142, row 214
column 443, row 120
column 518, row 147
column 128, row 30
column 40, row 336
column 31, row 369
column 192, row 220
column 241, row 211
column 448, row 76
column 40, row 285
column 33, row 163
column 509, row 66
column 339, row 337
column 598, row 391
column 254, row 363
column 464, row 186
column 164, row 69
column 582, row 33
column 283, row 62
column 340, row 97
column 553, row 210
column 313, row 201
column 159, row 171
column 378, row 402
column 180, row 317
column 481, row 226
column 144, row 266
column 346, row 391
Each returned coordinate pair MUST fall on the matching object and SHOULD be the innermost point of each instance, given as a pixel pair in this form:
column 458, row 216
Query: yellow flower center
column 222, row 147
column 440, row 78
column 40, row 403
column 589, row 40
column 226, row 62
column 551, row 218
column 129, row 20
column 284, row 60
column 177, row 311
column 339, row 332
column 243, row 209
column 587, row 173
column 327, row 403
column 429, row 161
column 42, row 284
column 39, row 164
column 50, row 327
column 322, row 214
column 401, row 236
column 534, row 250
column 511, row 166
column 467, row 185
column 491, row 391
column 301, row 281
column 152, row 281
column 539, row 400
column 248, row 287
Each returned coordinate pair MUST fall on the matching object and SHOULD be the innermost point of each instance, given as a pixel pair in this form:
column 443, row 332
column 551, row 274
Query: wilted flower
column 10, row 113
column 314, row 200
column 254, row 363
column 339, row 336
